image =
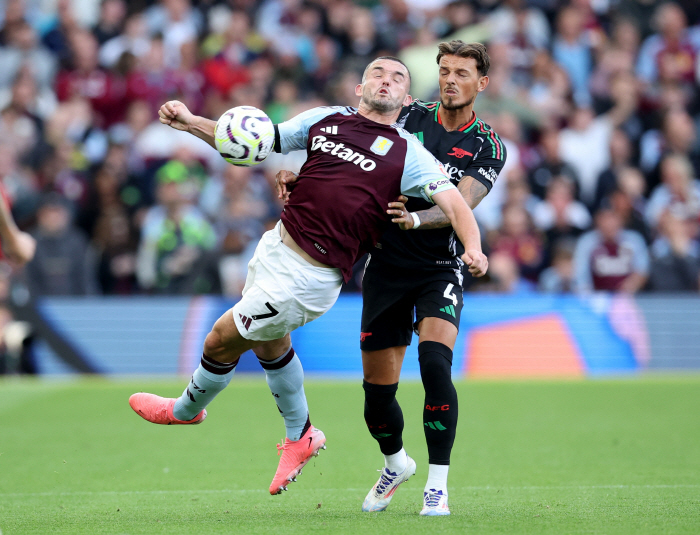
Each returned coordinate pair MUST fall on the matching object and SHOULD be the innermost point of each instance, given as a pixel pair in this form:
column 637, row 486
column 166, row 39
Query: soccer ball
column 244, row 136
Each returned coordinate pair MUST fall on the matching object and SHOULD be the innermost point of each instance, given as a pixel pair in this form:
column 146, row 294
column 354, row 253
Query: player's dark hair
column 392, row 58
column 466, row 50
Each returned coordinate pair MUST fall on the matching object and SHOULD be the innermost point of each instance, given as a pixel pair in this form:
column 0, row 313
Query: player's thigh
column 439, row 309
column 383, row 367
column 437, row 330
column 224, row 342
column 387, row 312
column 282, row 292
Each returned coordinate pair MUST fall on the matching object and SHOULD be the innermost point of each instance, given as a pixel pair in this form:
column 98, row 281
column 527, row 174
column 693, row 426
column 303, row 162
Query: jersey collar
column 465, row 128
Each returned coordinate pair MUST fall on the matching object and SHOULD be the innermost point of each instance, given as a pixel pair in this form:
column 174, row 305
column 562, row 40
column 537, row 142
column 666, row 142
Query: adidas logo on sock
column 330, row 129
column 437, row 426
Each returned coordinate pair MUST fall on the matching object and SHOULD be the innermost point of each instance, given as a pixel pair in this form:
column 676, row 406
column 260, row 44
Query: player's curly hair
column 466, row 50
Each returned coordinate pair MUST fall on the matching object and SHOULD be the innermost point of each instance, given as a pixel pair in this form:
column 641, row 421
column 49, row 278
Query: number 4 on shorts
column 449, row 295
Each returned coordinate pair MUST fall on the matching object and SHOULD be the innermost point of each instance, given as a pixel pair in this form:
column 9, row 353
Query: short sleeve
column 489, row 161
column 423, row 175
column 294, row 134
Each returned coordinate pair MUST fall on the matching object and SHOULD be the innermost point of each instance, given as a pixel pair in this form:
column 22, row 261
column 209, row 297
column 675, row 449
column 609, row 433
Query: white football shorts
column 282, row 291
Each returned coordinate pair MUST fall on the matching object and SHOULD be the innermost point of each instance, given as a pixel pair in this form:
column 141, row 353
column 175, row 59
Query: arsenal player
column 416, row 265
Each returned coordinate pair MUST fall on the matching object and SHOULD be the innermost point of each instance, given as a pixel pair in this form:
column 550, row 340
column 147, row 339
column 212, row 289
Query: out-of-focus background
column 144, row 233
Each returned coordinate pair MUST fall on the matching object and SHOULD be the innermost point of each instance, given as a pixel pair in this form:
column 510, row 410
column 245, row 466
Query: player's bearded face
column 381, row 99
column 384, row 89
column 459, row 82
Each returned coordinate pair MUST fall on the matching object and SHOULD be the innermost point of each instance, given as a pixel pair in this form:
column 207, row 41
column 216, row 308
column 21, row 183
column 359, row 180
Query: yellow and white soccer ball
column 244, row 136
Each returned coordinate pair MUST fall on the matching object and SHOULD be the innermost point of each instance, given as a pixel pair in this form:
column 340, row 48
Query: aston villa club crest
column 381, row 146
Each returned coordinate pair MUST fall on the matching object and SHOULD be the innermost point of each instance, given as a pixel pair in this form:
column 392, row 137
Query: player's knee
column 435, row 361
column 213, row 344
column 379, row 395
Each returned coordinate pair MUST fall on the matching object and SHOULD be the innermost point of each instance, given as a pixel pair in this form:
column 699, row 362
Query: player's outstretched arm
column 17, row 245
column 462, row 220
column 471, row 189
column 176, row 115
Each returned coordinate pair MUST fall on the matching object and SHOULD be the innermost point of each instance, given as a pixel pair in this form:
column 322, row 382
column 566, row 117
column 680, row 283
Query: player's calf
column 440, row 411
column 384, row 417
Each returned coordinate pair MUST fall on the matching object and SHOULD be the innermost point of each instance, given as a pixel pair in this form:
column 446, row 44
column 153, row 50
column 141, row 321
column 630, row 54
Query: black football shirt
column 474, row 150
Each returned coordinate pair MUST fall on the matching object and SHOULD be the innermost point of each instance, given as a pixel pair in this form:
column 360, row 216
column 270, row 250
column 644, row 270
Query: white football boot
column 379, row 497
column 434, row 503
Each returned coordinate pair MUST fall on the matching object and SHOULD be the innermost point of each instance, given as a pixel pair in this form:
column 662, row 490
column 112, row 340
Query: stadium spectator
column 627, row 200
column 550, row 89
column 609, row 257
column 679, row 192
column 584, row 145
column 178, row 22
column 678, row 135
column 22, row 128
column 105, row 91
column 23, row 50
column 19, row 185
column 675, row 256
column 174, row 237
column 505, row 275
column 64, row 263
column 620, row 159
column 672, row 51
column 572, row 49
column 549, row 164
column 559, row 277
column 112, row 15
column 560, row 215
column 57, row 38
column 134, row 41
column 520, row 241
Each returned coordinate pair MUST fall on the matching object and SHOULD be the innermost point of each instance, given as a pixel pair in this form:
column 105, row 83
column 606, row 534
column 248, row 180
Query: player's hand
column 19, row 248
column 400, row 215
column 281, row 180
column 477, row 262
column 176, row 115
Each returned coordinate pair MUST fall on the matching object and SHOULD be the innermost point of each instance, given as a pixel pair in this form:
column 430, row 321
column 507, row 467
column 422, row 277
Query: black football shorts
column 389, row 300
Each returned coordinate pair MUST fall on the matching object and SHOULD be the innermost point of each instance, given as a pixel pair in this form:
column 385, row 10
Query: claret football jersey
column 474, row 150
column 354, row 168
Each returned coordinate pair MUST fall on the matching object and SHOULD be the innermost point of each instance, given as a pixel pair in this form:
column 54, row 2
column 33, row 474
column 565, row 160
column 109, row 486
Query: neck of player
column 388, row 118
column 455, row 119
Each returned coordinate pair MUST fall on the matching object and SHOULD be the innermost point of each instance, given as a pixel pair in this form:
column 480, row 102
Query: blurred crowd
column 597, row 102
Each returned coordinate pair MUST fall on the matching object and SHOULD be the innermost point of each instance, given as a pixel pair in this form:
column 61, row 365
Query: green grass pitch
column 595, row 456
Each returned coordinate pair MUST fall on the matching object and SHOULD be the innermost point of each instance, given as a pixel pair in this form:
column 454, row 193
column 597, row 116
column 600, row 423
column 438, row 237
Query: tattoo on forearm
column 473, row 192
column 433, row 218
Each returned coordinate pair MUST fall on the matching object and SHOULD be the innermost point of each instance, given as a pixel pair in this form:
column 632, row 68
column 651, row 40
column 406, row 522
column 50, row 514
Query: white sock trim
column 437, row 477
column 397, row 462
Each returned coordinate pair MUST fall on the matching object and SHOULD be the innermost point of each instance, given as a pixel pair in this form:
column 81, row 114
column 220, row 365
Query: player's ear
column 483, row 83
column 358, row 90
column 407, row 100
